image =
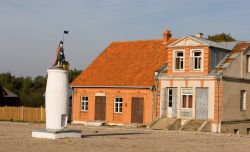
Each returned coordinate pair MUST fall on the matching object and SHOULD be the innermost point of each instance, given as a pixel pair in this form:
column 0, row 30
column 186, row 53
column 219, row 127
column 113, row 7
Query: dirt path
column 16, row 137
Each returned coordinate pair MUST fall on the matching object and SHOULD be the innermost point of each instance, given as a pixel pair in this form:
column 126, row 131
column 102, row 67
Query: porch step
column 162, row 123
column 192, row 125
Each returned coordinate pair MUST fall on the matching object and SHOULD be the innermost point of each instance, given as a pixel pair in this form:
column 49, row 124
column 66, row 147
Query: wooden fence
column 29, row 114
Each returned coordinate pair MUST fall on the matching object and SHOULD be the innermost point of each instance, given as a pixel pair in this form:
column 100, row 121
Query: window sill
column 85, row 111
column 186, row 108
column 117, row 112
column 178, row 70
column 197, row 70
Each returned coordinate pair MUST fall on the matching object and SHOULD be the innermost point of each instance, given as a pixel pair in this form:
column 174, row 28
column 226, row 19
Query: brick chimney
column 199, row 35
column 166, row 35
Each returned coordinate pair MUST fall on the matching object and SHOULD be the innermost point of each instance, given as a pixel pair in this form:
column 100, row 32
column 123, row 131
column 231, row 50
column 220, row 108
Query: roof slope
column 242, row 46
column 7, row 93
column 128, row 63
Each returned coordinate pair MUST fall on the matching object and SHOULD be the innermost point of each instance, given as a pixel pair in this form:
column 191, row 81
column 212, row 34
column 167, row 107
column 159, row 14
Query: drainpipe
column 153, row 94
column 217, row 100
column 156, row 90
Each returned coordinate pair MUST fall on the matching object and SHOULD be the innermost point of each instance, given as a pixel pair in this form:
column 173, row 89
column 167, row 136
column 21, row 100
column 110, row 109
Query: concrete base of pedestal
column 56, row 134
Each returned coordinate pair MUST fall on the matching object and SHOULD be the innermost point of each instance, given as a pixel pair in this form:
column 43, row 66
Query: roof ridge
column 123, row 41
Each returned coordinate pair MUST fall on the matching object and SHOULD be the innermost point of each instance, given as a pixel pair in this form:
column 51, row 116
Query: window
column 179, row 60
column 248, row 63
column 196, row 61
column 170, row 97
column 84, row 103
column 248, row 131
column 118, row 105
column 187, row 98
column 236, row 131
column 243, row 96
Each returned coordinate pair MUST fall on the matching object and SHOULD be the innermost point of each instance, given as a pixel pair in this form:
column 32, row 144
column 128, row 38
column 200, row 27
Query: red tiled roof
column 128, row 63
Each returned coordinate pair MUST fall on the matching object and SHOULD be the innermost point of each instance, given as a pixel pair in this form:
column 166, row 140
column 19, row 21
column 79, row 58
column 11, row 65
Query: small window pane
column 179, row 54
column 197, row 53
column 170, row 104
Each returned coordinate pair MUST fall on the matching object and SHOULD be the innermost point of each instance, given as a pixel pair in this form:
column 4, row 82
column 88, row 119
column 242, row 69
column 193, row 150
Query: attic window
column 196, row 61
column 179, row 60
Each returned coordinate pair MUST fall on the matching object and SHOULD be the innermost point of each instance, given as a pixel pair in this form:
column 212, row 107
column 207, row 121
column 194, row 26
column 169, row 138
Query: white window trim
column 82, row 102
column 202, row 59
column 174, row 55
column 187, row 94
column 118, row 105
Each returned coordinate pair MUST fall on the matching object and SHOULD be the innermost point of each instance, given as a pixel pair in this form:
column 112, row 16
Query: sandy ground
column 16, row 137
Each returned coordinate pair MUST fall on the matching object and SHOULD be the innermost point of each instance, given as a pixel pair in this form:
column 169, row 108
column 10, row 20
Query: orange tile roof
column 127, row 63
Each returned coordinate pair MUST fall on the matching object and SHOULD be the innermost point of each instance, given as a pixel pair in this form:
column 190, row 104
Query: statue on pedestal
column 60, row 61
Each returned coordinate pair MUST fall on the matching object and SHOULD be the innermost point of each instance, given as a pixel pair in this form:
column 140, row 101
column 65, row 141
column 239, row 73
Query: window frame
column 187, row 97
column 243, row 100
column 192, row 60
column 168, row 97
column 248, row 63
column 119, row 105
column 174, row 60
column 84, row 104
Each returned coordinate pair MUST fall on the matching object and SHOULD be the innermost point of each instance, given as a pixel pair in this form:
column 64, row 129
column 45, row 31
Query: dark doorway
column 100, row 108
column 137, row 110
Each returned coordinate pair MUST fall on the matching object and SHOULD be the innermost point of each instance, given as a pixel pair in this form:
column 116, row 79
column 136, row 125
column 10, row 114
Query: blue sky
column 31, row 29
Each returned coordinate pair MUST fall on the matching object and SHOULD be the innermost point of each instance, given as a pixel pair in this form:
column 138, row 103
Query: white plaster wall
column 180, row 83
column 210, row 85
column 164, row 84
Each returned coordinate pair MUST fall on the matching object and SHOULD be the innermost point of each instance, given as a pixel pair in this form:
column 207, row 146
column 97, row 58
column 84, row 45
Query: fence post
column 4, row 112
column 41, row 114
column 22, row 114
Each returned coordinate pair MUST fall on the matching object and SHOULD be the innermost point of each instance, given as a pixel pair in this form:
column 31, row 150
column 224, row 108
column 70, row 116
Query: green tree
column 223, row 37
column 73, row 74
column 30, row 91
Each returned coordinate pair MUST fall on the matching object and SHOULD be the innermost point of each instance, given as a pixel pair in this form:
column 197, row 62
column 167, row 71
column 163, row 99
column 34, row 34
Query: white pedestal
column 56, row 98
column 56, row 134
column 56, row 104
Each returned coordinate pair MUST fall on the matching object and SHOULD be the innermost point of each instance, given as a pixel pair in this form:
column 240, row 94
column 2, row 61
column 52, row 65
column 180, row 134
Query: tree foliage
column 73, row 74
column 31, row 91
column 222, row 37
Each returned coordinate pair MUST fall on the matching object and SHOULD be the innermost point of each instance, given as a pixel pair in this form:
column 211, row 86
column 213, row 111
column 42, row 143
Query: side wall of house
column 231, row 101
column 110, row 94
column 238, row 68
column 235, row 120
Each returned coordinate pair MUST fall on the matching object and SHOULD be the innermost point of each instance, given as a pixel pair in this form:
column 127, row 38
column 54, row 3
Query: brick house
column 119, row 85
column 207, row 81
column 171, row 82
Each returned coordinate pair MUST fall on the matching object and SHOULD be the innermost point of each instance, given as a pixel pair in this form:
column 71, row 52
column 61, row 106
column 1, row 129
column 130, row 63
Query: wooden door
column 171, row 102
column 201, row 106
column 100, row 108
column 174, row 103
column 137, row 110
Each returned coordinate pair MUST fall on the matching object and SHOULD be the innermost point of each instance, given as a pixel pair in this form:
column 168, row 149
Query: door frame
column 103, row 106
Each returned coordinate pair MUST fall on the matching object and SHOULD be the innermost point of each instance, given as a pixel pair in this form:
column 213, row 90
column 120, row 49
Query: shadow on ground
column 110, row 134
